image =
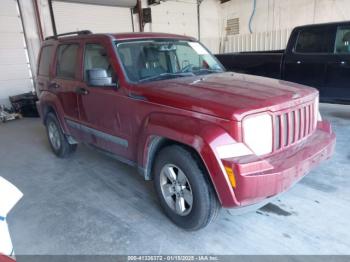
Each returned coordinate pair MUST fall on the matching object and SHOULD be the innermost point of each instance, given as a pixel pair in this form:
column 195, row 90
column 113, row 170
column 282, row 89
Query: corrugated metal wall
column 273, row 20
column 261, row 41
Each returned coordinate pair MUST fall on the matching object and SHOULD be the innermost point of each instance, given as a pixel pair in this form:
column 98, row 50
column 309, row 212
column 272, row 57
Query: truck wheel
column 58, row 141
column 183, row 189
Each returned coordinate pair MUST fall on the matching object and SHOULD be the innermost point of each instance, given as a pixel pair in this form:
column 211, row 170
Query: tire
column 58, row 141
column 174, row 196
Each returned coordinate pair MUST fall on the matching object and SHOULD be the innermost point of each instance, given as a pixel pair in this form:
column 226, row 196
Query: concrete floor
column 91, row 204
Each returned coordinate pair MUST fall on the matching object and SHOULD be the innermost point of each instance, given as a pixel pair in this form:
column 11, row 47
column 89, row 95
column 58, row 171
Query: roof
column 324, row 24
column 129, row 36
column 123, row 36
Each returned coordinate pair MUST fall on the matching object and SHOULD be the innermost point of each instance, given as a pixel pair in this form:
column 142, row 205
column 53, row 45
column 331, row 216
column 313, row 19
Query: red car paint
column 4, row 258
column 202, row 112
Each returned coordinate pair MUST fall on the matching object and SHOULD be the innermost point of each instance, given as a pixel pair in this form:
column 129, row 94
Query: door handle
column 54, row 85
column 81, row 91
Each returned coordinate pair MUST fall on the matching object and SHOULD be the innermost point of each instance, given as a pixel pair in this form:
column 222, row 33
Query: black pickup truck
column 316, row 55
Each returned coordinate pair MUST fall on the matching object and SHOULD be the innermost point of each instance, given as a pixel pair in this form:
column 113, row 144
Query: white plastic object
column 9, row 196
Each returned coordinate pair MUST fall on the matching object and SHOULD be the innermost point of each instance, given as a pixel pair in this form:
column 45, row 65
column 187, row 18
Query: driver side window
column 95, row 58
column 185, row 57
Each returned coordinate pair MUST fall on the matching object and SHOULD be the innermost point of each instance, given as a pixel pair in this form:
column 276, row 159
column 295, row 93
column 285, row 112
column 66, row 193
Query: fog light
column 231, row 176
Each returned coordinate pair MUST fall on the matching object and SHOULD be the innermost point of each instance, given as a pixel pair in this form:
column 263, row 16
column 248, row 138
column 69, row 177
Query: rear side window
column 342, row 43
column 45, row 60
column 67, row 60
column 315, row 40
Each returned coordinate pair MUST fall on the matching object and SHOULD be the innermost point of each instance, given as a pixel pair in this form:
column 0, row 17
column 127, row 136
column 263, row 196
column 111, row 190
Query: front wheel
column 184, row 191
column 58, row 141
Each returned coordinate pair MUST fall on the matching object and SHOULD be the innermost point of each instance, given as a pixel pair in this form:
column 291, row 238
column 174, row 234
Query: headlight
column 257, row 133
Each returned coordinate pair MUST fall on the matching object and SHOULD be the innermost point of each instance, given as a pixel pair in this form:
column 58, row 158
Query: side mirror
column 99, row 77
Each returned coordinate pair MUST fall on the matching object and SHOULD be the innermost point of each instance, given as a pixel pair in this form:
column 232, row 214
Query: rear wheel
column 58, row 141
column 184, row 191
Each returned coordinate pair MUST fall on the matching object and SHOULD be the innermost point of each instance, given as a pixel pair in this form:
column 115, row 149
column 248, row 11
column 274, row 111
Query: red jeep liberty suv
column 164, row 104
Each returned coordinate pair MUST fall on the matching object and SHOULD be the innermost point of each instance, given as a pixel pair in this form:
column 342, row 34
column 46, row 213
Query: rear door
column 337, row 85
column 306, row 62
column 64, row 82
column 44, row 66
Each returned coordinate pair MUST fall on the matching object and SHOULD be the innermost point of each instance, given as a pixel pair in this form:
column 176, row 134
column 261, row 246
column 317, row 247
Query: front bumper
column 260, row 178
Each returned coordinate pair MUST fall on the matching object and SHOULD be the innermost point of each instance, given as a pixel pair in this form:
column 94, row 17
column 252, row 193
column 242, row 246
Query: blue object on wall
column 251, row 17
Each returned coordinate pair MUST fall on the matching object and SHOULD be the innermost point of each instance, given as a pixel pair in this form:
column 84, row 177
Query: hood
column 227, row 95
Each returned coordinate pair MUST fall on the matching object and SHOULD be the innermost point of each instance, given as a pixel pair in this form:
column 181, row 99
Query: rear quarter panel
column 49, row 101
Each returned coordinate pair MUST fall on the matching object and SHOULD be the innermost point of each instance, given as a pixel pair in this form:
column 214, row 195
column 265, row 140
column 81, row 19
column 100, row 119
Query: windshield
column 153, row 60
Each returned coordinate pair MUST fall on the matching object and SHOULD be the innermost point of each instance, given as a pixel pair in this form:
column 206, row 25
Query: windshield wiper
column 164, row 76
column 208, row 71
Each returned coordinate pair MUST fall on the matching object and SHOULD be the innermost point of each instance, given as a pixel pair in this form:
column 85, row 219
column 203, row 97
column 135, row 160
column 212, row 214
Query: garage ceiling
column 119, row 3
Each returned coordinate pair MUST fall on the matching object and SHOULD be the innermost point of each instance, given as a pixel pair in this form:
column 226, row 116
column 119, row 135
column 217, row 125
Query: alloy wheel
column 54, row 135
column 176, row 189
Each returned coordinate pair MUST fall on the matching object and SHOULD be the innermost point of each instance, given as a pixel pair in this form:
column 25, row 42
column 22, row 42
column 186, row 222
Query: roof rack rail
column 83, row 32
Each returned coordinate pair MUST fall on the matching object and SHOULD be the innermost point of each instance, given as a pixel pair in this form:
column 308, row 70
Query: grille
column 291, row 126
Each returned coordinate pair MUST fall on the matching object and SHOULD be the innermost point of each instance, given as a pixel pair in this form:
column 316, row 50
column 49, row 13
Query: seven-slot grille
column 292, row 125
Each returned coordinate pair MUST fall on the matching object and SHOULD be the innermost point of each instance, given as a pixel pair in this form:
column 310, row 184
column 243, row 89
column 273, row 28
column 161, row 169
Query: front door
column 102, row 108
column 306, row 63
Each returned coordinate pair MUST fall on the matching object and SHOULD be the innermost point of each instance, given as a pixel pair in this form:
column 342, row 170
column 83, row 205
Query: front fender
column 201, row 135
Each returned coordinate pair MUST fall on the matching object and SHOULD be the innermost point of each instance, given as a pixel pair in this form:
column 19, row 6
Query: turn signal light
column 231, row 176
